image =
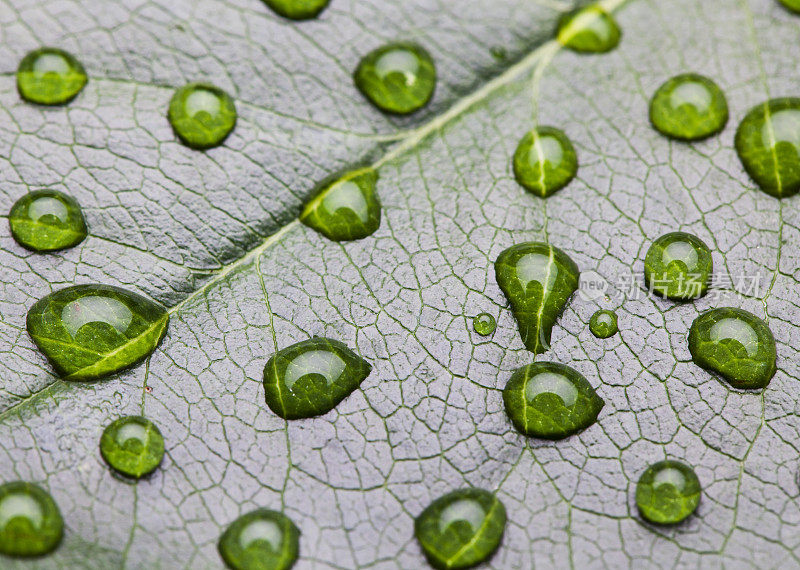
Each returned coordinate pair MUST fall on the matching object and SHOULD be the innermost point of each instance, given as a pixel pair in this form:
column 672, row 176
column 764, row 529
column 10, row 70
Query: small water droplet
column 30, row 522
column 545, row 161
column 735, row 344
column 603, row 324
column 50, row 76
column 550, row 401
column 678, row 266
column 538, row 280
column 90, row 331
column 397, row 78
column 793, row 5
column 202, row 115
column 297, row 9
column 484, row 324
column 311, row 377
column 667, row 492
column 47, row 220
column 461, row 529
column 689, row 107
column 132, row 446
column 588, row 30
column 768, row 144
column 261, row 539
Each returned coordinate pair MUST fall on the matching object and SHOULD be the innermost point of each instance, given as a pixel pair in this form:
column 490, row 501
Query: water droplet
column 47, row 220
column 735, row 344
column 261, row 539
column 550, row 401
column 30, row 522
column 545, row 161
column 689, row 107
column 484, row 324
column 345, row 208
column 50, row 76
column 588, row 30
column 603, row 324
column 678, row 266
column 667, row 492
column 461, row 529
column 311, row 377
column 397, row 78
column 132, row 446
column 202, row 115
column 768, row 144
column 538, row 280
column 793, row 5
column 90, row 331
column 297, row 9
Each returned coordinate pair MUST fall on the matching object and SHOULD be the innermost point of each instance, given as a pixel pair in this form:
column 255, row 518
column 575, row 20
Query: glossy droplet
column 297, row 9
column 538, row 280
column 345, row 208
column 735, row 344
column 47, row 220
column 678, row 266
column 667, row 492
column 793, row 5
column 30, row 522
column 50, row 76
column 689, row 107
column 90, row 331
column 588, row 30
column 603, row 324
column 202, row 115
column 545, row 161
column 397, row 78
column 484, row 324
column 550, row 401
column 461, row 529
column 132, row 446
column 311, row 377
column 768, row 144
column 260, row 540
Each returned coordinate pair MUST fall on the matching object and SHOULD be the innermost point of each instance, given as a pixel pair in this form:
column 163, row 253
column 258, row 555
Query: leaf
column 213, row 235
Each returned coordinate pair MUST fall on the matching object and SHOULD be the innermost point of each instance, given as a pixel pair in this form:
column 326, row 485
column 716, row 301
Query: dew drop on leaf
column 545, row 161
column 202, row 115
column 30, row 522
column 133, row 446
column 678, row 266
column 260, row 540
column 689, row 107
column 667, row 492
column 47, row 220
column 588, row 30
column 297, row 9
column 603, row 324
column 50, row 76
column 484, row 324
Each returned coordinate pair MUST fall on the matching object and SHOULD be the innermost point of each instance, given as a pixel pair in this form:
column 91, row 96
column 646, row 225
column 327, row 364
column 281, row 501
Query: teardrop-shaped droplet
column 461, row 529
column 202, row 115
column 735, row 344
column 132, row 446
column 50, row 76
column 689, row 107
column 397, row 78
column 538, row 280
column 603, row 324
column 545, row 161
column 260, row 540
column 90, row 331
column 678, row 266
column 30, row 522
column 550, row 401
column 484, row 324
column 297, row 9
column 793, row 5
column 311, row 377
column 345, row 208
column 667, row 492
column 768, row 144
column 47, row 220
column 588, row 30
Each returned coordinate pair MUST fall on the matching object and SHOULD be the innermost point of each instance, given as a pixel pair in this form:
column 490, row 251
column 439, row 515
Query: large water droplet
column 484, row 324
column 603, row 324
column 678, row 266
column 202, row 115
column 550, row 400
column 345, row 208
column 588, row 30
column 90, row 331
column 545, row 161
column 667, row 492
column 50, row 76
column 461, row 529
column 768, row 144
column 311, row 377
column 260, row 540
column 132, row 446
column 47, row 220
column 538, row 280
column 689, row 107
column 297, row 9
column 397, row 78
column 30, row 522
column 735, row 344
